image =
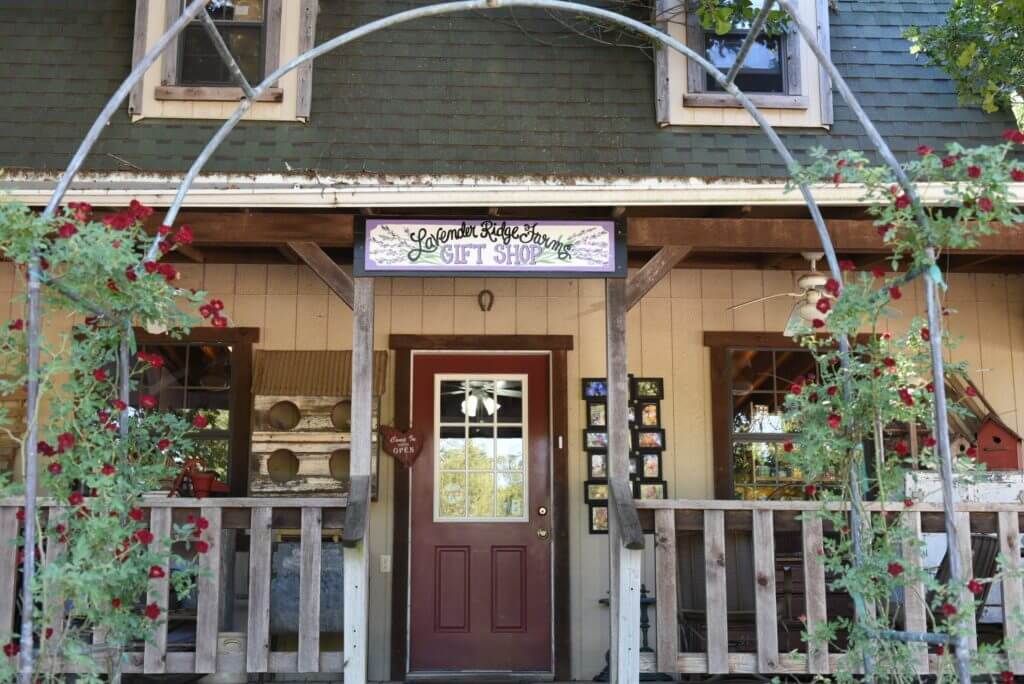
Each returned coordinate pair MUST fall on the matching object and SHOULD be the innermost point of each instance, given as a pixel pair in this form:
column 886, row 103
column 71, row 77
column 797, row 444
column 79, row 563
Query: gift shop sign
column 465, row 247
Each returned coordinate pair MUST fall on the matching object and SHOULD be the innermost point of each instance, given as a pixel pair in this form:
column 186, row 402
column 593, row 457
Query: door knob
column 542, row 533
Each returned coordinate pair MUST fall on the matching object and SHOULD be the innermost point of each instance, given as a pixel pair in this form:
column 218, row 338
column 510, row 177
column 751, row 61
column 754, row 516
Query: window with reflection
column 481, row 456
column 242, row 25
column 762, row 70
column 194, row 378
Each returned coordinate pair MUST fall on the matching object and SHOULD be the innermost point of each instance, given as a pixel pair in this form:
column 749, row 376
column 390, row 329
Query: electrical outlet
column 385, row 564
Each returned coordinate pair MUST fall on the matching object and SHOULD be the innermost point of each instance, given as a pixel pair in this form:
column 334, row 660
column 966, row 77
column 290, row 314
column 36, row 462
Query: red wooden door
column 480, row 557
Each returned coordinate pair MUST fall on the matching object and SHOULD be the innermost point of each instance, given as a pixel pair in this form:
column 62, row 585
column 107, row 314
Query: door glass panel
column 480, row 468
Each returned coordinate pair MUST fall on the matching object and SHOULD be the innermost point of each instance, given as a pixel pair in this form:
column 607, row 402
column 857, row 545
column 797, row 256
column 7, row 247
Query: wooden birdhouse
column 999, row 447
column 302, row 412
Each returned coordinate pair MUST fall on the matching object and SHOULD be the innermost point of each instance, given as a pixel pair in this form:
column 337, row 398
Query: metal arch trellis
column 726, row 81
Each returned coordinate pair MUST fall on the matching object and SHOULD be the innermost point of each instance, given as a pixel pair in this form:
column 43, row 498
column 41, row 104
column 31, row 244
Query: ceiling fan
column 812, row 290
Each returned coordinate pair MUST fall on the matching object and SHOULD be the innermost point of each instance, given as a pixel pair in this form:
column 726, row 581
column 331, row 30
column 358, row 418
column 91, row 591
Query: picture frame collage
column 647, row 437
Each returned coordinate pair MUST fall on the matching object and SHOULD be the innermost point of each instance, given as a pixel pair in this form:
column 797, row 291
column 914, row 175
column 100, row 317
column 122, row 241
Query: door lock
column 542, row 533
column 542, row 510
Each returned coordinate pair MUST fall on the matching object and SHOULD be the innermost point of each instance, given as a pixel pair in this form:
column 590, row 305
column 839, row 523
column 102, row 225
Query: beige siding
column 664, row 337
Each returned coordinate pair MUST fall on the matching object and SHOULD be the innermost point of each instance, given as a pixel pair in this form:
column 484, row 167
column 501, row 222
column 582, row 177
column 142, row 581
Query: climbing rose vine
column 842, row 411
column 97, row 548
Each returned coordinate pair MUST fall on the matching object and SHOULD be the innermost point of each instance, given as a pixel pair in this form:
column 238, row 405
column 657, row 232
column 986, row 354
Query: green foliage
column 722, row 16
column 844, row 410
column 97, row 456
column 981, row 46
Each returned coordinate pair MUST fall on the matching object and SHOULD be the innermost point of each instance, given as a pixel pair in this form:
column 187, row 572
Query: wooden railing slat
column 309, row 591
column 258, row 647
column 915, row 606
column 667, row 599
column 963, row 532
column 208, row 596
column 1013, row 592
column 814, row 589
column 54, row 603
column 8, row 567
column 155, row 655
column 716, row 604
column 767, row 619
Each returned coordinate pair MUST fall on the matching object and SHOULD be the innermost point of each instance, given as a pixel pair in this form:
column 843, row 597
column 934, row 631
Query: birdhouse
column 999, row 447
column 302, row 434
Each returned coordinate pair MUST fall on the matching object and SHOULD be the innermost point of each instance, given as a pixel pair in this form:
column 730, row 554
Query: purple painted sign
column 447, row 247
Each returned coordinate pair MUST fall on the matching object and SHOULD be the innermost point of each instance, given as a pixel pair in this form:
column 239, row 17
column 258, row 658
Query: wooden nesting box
column 302, row 435
column 999, row 447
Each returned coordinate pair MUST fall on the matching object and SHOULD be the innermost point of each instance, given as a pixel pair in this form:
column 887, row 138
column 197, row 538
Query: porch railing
column 710, row 529
column 306, row 518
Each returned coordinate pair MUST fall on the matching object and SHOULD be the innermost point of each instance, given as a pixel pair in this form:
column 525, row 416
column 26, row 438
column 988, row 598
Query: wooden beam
column 264, row 228
column 191, row 253
column 659, row 265
column 288, row 254
column 783, row 235
column 339, row 282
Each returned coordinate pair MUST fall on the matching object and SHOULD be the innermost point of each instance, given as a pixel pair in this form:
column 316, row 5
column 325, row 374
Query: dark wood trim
column 559, row 346
column 249, row 228
column 482, row 342
column 714, row 338
column 203, row 334
column 400, row 507
column 720, row 412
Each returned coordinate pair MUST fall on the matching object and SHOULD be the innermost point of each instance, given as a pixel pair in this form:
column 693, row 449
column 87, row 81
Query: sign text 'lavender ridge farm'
column 513, row 247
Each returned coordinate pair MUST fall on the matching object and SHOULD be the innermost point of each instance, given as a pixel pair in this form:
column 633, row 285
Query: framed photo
column 594, row 439
column 598, row 465
column 595, row 492
column 595, row 388
column 598, row 519
column 648, row 414
column 650, row 465
column 644, row 389
column 653, row 490
column 597, row 414
column 652, row 439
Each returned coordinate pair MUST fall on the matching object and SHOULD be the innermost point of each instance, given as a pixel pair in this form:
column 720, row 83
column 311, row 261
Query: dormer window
column 242, row 24
column 762, row 70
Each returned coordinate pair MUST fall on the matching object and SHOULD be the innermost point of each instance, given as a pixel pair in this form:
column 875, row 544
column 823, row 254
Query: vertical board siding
column 208, row 585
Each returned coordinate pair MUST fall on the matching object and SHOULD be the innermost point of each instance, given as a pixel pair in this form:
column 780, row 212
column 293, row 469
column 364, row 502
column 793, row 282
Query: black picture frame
column 595, row 440
column 595, row 492
column 645, row 489
column 597, row 465
column 646, row 389
column 634, row 466
column 649, row 439
column 598, row 519
column 648, row 413
column 594, row 388
column 647, row 470
column 597, row 414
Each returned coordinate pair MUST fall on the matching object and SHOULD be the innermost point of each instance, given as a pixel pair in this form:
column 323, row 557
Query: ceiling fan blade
column 764, row 299
column 796, row 323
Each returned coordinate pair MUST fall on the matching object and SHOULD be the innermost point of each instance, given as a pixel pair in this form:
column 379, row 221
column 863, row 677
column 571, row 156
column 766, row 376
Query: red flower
column 149, row 266
column 167, row 271
column 895, row 292
column 16, row 324
column 930, row 387
column 20, row 515
column 908, row 502
column 901, row 448
column 834, row 421
column 108, row 469
column 81, row 209
column 973, row 171
column 65, row 441
column 823, row 305
column 929, row 441
column 144, row 537
column 926, row 334
column 202, row 547
column 975, row 587
column 129, row 273
column 48, row 633
column 184, row 236
column 206, row 311
column 118, row 221
column 948, row 162
column 164, row 230
column 889, row 361
column 847, row 265
column 1017, row 175
column 812, row 397
column 148, row 401
column 884, row 229
column 202, row 523
column 903, row 201
column 833, row 287
column 924, row 150
column 156, row 572
column 55, row 468
column 200, row 421
column 970, row 391
column 985, row 204
column 11, row 649
column 787, row 446
column 102, row 416
column 216, row 304
column 906, row 397
column 895, row 569
column 45, row 449
column 810, row 490
column 940, row 650
column 152, row 611
column 1006, row 677
column 67, row 230
column 136, row 514
column 796, row 388
column 76, row 499
column 831, row 391
column 219, row 322
column 1010, row 135
column 119, row 405
column 818, row 323
column 100, row 375
column 948, row 609
column 163, row 444
column 878, row 272
column 115, row 603
column 972, row 452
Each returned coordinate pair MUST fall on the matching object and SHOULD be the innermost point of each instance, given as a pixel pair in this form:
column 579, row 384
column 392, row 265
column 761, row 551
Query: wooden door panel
column 508, row 589
column 451, row 581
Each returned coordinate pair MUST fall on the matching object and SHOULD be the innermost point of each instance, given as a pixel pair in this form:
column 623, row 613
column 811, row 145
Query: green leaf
column 722, row 26
column 967, row 55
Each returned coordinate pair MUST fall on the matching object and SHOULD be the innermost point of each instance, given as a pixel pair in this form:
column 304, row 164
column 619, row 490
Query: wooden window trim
column 240, row 406
column 213, row 94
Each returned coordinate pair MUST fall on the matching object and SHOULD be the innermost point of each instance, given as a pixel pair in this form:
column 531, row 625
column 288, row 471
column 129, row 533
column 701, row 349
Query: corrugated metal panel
column 312, row 373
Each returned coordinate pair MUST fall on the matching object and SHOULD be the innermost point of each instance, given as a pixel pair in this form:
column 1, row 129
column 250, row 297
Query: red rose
column 219, row 322
column 948, row 609
column 115, row 603
column 831, row 391
column 970, row 391
column 164, row 230
column 972, row 452
column 929, row 441
column 847, row 265
column 67, row 230
column 202, row 547
column 895, row 292
column 889, row 361
column 975, row 587
column 184, row 236
column 20, row 515
column 823, row 305
column 149, row 266
column 810, row 490
column 100, row 375
column 148, row 401
column 1011, row 135
column 834, row 421
column 947, row 162
column 202, row 523
column 163, row 444
column 136, row 514
column 903, row 201
column 129, row 273
column 796, row 388
column 833, row 287
column 11, row 649
column 906, row 397
column 908, row 502
column 895, row 569
column 45, row 449
column 216, row 304
column 1006, row 677
column 206, row 311
column 144, row 537
column 152, row 611
column 924, row 150
column 878, row 272
column 812, row 397
column 200, row 421
column 65, row 441
column 818, row 323
column 156, row 572
column 76, row 499
column 940, row 650
column 108, row 469
column 1017, row 175
column 55, row 468
column 926, row 334
column 901, row 448
column 16, row 324
column 119, row 405
column 48, row 633
column 787, row 446
column 985, row 204
column 884, row 229
column 974, row 171
column 139, row 210
column 930, row 387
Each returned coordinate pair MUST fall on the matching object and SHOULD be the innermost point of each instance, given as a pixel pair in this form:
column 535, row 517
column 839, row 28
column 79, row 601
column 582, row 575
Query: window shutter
column 825, row 42
column 138, row 52
column 307, row 40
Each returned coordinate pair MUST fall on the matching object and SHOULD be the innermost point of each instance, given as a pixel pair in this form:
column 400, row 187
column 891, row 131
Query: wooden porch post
column 357, row 555
column 625, row 574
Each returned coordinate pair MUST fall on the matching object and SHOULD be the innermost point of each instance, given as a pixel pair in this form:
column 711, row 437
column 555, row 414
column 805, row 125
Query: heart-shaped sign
column 405, row 447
